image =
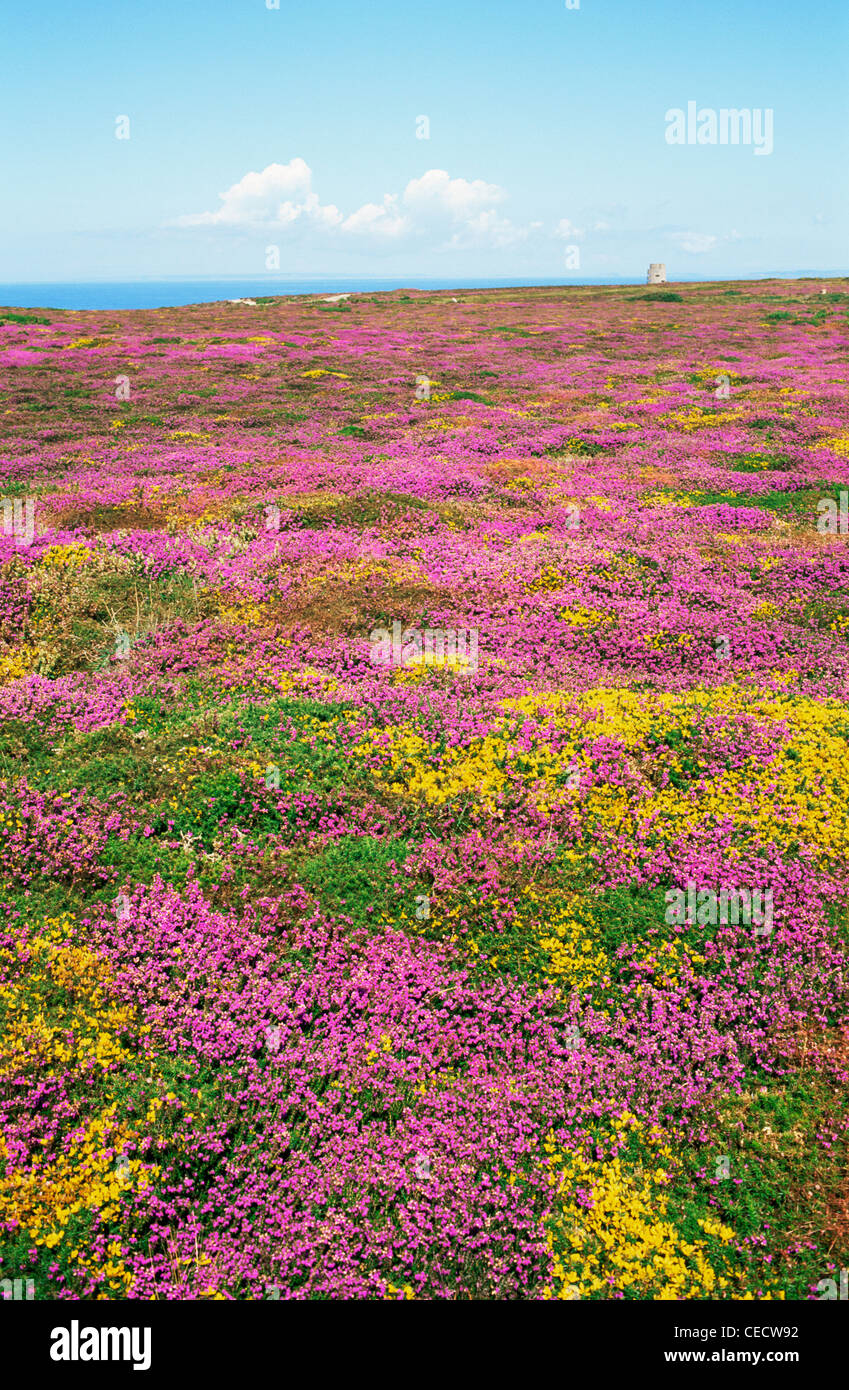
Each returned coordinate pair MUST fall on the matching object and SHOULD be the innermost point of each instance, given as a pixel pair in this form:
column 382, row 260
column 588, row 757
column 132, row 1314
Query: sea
column 171, row 292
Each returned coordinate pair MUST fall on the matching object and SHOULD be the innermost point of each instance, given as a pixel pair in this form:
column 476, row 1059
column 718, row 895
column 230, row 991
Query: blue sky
column 547, row 131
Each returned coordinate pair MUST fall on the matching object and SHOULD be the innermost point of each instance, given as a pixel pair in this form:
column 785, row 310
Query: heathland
column 424, row 732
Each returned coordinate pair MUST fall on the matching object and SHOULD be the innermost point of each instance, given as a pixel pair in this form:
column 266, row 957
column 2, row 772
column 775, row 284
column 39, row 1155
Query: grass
column 757, row 461
column 356, row 876
column 800, row 502
column 23, row 318
column 786, row 1148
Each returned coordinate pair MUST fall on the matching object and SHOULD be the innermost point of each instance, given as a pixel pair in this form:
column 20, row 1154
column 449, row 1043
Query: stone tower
column 657, row 274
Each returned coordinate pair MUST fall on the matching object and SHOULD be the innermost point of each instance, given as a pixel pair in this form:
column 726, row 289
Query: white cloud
column 437, row 196
column 697, row 243
column 447, row 212
column 488, row 229
column 568, row 230
column 377, row 219
column 278, row 196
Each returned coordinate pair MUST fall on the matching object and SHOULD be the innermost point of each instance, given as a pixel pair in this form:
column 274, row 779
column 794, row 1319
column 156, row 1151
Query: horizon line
column 524, row 281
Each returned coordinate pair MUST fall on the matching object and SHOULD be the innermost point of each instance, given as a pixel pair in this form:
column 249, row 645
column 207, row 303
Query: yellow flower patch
column 838, row 444
column 548, row 579
column 798, row 797
column 56, row 1010
column 46, row 1197
column 564, row 927
column 613, row 1234
column 66, row 557
column 17, row 663
column 245, row 611
column 583, row 617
